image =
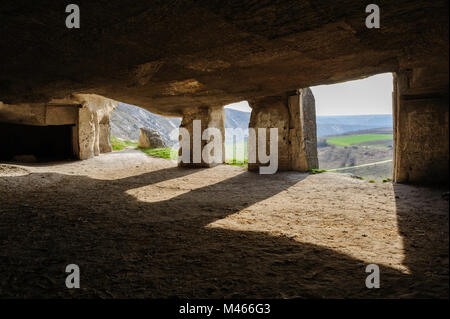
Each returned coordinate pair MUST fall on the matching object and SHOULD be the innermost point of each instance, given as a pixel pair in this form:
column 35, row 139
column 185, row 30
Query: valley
column 344, row 143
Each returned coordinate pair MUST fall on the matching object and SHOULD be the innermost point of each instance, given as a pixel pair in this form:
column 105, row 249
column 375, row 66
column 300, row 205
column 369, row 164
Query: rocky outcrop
column 149, row 138
column 127, row 119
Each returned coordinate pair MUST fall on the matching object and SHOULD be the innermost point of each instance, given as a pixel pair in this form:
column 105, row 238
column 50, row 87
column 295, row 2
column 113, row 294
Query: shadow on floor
column 132, row 249
column 423, row 223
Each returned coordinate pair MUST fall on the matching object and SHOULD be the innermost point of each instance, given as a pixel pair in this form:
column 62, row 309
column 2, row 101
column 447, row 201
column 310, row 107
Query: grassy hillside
column 128, row 119
column 349, row 140
column 361, row 148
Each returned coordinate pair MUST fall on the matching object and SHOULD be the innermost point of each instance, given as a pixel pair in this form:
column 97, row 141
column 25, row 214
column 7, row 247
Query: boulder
column 149, row 138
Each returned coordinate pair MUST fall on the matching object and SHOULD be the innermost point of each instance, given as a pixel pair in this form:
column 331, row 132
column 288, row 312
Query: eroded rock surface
column 170, row 55
column 149, row 138
column 93, row 124
column 177, row 57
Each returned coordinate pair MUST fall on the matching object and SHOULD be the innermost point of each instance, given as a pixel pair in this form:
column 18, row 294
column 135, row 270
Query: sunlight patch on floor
column 175, row 187
column 340, row 224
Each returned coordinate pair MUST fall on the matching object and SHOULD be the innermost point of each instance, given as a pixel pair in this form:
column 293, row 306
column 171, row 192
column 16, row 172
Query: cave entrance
column 30, row 143
column 137, row 128
column 355, row 127
column 237, row 118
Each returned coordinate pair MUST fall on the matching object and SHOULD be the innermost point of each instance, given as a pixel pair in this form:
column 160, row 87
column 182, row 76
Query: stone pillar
column 303, row 131
column 94, row 124
column 210, row 117
column 270, row 112
column 86, row 133
column 421, row 126
column 104, row 132
column 294, row 117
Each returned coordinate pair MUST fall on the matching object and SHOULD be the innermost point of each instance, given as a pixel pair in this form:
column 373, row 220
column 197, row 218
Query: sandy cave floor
column 139, row 227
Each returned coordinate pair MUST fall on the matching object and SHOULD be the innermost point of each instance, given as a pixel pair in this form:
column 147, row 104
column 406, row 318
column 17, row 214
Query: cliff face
column 128, row 119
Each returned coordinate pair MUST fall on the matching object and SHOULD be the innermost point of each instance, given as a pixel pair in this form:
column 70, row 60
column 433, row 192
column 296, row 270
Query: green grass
column 118, row 145
column 167, row 153
column 235, row 162
column 317, row 171
column 349, row 140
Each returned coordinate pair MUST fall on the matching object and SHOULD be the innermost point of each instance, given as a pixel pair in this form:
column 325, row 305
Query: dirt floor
column 139, row 227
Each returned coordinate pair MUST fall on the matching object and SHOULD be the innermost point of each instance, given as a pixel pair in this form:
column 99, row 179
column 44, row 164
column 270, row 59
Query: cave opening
column 355, row 127
column 237, row 118
column 30, row 143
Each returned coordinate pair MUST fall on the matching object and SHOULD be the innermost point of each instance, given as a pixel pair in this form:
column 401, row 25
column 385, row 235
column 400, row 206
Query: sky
column 372, row 95
column 240, row 106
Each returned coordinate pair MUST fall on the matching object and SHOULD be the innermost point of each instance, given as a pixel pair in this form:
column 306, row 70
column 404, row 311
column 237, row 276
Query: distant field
column 349, row 140
column 361, row 148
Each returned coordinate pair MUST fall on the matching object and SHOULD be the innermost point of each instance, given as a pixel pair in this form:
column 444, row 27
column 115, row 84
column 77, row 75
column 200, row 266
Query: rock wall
column 28, row 114
column 294, row 117
column 40, row 114
column 421, row 127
